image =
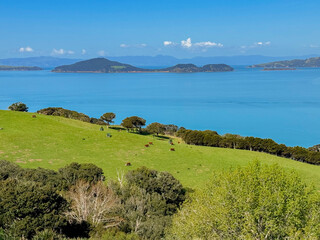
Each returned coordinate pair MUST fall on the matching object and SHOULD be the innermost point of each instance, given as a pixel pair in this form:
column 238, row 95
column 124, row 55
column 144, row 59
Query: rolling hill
column 53, row 142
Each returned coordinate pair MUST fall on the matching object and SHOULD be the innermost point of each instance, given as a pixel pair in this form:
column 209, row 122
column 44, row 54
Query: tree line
column 213, row 139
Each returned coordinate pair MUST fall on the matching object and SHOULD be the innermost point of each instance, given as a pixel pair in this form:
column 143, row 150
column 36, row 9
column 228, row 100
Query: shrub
column 19, row 106
column 87, row 172
column 256, row 202
column 27, row 208
column 149, row 199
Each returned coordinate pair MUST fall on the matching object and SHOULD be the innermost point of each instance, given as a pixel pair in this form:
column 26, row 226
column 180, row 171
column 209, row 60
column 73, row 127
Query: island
column 296, row 63
column 19, row 68
column 278, row 69
column 103, row 65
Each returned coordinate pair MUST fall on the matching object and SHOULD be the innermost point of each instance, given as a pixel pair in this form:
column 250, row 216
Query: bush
column 88, row 172
column 19, row 106
column 27, row 208
column 149, row 199
column 256, row 202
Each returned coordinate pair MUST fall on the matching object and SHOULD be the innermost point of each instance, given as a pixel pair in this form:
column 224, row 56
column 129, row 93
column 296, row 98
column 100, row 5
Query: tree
column 18, row 106
column 256, row 202
column 149, row 199
column 27, row 207
column 108, row 117
column 156, row 128
column 93, row 203
column 133, row 122
column 87, row 172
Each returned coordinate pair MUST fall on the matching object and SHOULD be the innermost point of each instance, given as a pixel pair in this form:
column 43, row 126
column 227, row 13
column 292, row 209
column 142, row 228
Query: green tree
column 108, row 117
column 87, row 172
column 256, row 202
column 133, row 122
column 149, row 199
column 18, row 106
column 156, row 128
column 27, row 208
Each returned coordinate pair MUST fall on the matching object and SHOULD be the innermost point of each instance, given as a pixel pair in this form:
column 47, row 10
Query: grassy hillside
column 53, row 142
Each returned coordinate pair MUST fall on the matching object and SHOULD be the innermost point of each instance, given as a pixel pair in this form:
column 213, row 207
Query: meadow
column 53, row 142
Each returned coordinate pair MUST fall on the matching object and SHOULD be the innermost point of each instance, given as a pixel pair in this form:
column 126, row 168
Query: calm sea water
column 282, row 105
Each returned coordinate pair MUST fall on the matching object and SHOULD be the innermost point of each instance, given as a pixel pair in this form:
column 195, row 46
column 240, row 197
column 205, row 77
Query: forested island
column 310, row 62
column 18, row 68
column 103, row 65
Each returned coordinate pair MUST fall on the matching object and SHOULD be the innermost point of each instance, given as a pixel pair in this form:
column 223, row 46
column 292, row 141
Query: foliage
column 117, row 235
column 187, row 68
column 149, row 199
column 108, row 117
column 170, row 129
column 87, row 172
column 18, row 106
column 156, row 128
column 133, row 123
column 256, row 202
column 27, row 207
column 212, row 139
column 58, row 111
column 47, row 234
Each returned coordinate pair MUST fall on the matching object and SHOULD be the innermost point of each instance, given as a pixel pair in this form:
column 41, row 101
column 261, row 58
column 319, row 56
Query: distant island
column 103, row 65
column 297, row 63
column 19, row 68
column 278, row 69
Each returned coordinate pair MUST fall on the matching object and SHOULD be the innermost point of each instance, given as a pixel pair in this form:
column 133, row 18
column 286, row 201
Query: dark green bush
column 19, row 106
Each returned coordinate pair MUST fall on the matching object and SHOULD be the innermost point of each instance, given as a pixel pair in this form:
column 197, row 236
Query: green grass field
column 53, row 142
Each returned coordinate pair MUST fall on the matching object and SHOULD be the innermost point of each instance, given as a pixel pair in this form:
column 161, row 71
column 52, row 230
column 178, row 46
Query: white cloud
column 58, row 51
column 101, row 53
column 83, row 51
column 167, row 43
column 208, row 44
column 61, row 51
column 262, row 43
column 140, row 45
column 186, row 43
column 26, row 49
column 313, row 46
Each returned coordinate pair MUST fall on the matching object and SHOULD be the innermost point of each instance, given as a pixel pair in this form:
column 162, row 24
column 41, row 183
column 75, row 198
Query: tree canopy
column 133, row 122
column 108, row 117
column 156, row 128
column 256, row 202
column 18, row 106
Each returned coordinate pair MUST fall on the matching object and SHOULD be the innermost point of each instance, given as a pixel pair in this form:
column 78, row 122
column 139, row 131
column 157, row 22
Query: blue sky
column 181, row 28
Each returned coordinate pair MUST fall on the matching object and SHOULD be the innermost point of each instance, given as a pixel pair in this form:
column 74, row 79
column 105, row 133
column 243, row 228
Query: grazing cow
column 128, row 164
column 178, row 142
column 150, row 143
column 101, row 129
column 171, row 143
column 147, row 145
column 172, row 149
column 34, row 116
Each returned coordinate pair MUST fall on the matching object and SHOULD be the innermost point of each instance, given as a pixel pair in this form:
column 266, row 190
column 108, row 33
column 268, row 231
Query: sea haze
column 282, row 105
